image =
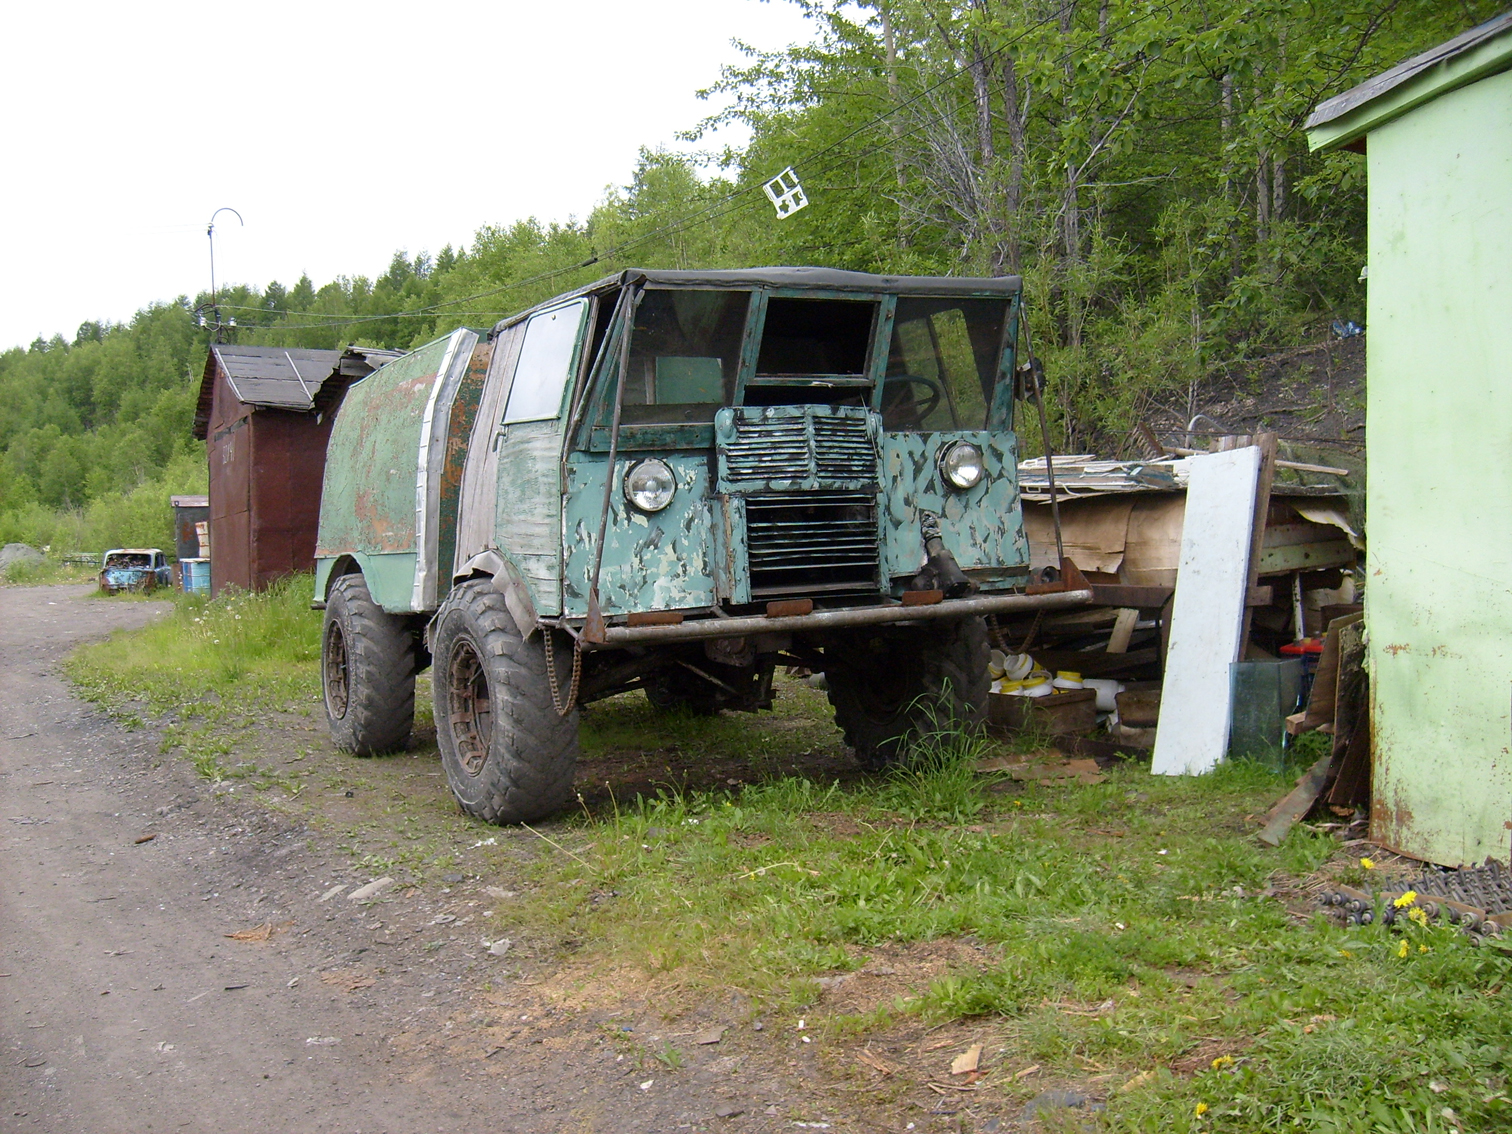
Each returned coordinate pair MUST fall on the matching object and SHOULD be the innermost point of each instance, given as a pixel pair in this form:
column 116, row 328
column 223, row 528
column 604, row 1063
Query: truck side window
column 545, row 361
column 942, row 364
column 684, row 354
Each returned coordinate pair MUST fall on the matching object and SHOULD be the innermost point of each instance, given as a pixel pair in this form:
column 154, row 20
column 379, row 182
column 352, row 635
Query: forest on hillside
column 1142, row 165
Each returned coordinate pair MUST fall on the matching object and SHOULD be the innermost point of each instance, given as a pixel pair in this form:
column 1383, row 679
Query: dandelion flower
column 1223, row 1061
column 1402, row 949
column 1367, row 864
column 1345, row 953
column 1202, row 1108
column 1405, row 900
column 1417, row 914
column 1422, row 948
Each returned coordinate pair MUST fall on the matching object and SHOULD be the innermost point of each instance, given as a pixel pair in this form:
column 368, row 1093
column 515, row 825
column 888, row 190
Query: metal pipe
column 740, row 626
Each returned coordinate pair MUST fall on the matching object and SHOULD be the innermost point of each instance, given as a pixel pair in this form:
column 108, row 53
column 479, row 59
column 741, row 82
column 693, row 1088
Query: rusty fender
column 705, row 628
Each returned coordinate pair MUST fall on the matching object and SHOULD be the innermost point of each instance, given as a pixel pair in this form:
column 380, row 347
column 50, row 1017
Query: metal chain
column 551, row 675
column 1033, row 631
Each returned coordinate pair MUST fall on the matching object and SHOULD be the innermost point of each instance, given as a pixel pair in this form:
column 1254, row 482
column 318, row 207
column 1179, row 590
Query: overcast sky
column 339, row 131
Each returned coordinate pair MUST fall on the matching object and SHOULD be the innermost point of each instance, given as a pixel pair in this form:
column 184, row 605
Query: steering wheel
column 922, row 409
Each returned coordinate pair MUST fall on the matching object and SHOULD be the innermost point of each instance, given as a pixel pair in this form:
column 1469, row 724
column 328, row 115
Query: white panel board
column 1207, row 617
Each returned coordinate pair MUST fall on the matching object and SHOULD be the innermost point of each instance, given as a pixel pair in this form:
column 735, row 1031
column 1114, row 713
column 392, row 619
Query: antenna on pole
column 210, row 232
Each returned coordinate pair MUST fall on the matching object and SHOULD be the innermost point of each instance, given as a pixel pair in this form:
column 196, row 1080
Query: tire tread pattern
column 950, row 683
column 533, row 754
column 381, row 665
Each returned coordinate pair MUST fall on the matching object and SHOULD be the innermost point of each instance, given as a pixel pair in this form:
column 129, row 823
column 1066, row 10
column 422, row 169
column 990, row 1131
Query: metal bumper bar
column 705, row 628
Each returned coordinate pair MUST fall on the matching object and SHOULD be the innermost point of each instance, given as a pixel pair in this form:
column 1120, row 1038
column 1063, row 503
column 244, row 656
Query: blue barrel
column 196, row 576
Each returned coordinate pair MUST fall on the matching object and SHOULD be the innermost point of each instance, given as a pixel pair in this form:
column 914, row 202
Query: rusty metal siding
column 288, row 461
column 228, row 450
column 459, row 428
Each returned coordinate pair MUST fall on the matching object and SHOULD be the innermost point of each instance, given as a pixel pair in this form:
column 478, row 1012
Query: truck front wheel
column 367, row 665
column 888, row 689
column 509, row 756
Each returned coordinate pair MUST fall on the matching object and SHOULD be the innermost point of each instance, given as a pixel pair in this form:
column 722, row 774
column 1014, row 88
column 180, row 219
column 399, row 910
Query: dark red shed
column 264, row 414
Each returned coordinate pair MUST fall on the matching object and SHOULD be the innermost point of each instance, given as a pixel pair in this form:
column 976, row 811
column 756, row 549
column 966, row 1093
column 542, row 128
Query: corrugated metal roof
column 1340, row 105
column 288, row 378
column 280, row 377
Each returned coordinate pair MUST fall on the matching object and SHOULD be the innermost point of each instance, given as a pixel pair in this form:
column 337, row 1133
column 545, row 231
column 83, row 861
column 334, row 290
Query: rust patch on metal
column 923, row 598
column 1396, row 648
column 654, row 618
column 788, row 608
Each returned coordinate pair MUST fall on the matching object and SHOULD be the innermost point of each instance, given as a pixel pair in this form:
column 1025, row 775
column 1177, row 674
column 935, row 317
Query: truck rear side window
column 943, row 363
column 684, row 354
column 545, row 360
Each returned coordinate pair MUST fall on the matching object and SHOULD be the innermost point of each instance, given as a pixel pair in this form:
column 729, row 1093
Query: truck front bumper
column 738, row 627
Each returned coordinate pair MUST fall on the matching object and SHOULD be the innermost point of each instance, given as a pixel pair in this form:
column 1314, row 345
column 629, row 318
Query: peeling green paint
column 379, row 501
column 528, row 509
column 657, row 561
column 981, row 527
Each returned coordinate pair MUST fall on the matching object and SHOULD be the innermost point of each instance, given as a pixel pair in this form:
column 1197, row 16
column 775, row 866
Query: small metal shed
column 265, row 414
column 1437, row 134
column 187, row 512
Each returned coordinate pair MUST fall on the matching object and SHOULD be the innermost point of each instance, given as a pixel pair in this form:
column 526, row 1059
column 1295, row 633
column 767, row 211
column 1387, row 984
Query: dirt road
column 125, row 1005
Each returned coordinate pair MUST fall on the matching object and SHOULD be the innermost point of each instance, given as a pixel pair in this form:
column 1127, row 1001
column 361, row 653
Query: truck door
column 511, row 486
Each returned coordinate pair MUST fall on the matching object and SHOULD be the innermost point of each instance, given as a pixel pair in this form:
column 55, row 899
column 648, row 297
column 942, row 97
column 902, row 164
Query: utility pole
column 210, row 232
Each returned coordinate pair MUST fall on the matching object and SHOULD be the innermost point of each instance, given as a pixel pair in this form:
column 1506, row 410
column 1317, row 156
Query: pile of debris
column 1478, row 899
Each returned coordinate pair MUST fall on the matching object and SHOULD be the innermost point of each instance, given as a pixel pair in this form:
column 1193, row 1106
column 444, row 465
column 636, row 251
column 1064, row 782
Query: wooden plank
column 1208, row 612
column 1123, row 630
column 1306, row 557
column 1096, row 663
column 1297, row 803
column 1122, row 594
column 1266, row 443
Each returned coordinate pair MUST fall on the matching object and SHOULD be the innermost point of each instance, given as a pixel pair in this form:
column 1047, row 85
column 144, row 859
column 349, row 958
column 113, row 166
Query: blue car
column 134, row 569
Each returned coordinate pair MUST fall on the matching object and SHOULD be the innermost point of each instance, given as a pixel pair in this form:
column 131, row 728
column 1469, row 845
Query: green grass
column 217, row 669
column 48, row 571
column 1148, row 892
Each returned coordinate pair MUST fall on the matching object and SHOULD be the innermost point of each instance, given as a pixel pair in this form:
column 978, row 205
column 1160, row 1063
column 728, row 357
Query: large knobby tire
column 890, row 688
column 509, row 756
column 367, row 665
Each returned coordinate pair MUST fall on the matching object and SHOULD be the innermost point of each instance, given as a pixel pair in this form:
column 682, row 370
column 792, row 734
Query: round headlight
column 961, row 464
column 649, row 485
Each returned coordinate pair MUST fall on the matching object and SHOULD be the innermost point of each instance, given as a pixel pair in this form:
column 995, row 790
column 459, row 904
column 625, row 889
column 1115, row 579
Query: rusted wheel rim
column 471, row 707
column 337, row 680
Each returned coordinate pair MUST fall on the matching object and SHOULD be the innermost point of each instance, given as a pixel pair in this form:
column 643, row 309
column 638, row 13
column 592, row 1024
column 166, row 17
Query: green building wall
column 1439, row 497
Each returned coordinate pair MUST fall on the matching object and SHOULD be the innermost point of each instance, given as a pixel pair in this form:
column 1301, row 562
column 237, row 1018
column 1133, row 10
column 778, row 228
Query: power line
column 725, row 206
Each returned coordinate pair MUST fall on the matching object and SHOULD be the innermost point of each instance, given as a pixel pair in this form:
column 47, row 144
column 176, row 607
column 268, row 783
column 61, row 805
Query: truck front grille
column 819, row 542
column 796, row 447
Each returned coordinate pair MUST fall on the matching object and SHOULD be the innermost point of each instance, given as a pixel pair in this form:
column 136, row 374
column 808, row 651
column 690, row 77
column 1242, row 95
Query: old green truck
column 675, row 481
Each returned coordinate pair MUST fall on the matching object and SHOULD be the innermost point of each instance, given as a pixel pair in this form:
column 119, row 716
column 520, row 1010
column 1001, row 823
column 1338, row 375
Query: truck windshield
column 684, row 354
column 942, row 364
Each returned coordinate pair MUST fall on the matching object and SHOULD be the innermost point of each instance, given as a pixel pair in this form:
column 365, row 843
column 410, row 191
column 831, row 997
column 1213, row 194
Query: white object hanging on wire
column 786, row 193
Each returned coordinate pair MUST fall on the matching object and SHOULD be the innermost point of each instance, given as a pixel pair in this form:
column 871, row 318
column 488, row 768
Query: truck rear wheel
column 509, row 756
column 367, row 667
column 889, row 689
